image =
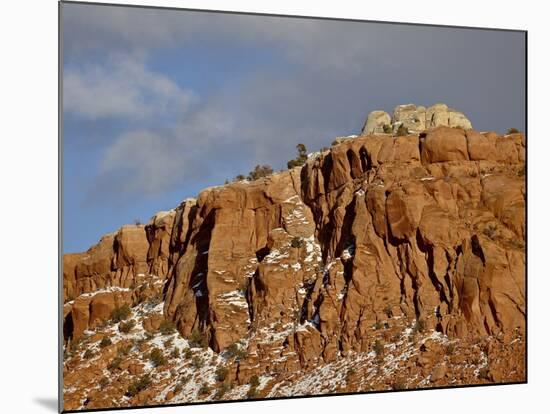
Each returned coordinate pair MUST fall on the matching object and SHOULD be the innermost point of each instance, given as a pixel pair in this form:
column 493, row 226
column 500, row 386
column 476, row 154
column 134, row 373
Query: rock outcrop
column 119, row 259
column 415, row 119
column 302, row 268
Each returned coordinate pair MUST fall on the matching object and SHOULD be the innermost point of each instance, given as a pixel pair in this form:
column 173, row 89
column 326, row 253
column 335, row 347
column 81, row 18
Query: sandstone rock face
column 403, row 219
column 376, row 239
column 159, row 232
column 117, row 260
column 416, row 119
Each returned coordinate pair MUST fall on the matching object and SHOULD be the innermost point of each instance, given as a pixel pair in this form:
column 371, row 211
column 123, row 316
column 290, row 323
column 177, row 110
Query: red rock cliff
column 426, row 227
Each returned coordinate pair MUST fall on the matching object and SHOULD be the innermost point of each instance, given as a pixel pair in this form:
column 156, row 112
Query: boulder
column 375, row 123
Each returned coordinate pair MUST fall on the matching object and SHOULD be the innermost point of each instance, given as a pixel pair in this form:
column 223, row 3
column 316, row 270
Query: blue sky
column 159, row 104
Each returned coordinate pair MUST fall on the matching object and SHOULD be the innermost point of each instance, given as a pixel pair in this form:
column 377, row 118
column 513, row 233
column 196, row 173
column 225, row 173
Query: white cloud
column 327, row 76
column 123, row 87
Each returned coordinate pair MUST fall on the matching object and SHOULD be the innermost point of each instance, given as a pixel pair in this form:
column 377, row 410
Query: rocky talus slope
column 382, row 263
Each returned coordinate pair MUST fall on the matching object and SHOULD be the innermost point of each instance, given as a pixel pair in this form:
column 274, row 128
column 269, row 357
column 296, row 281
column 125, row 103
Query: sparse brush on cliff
column 197, row 361
column 378, row 348
column 301, row 157
column 121, row 313
column 490, row 231
column 252, row 393
column 105, row 341
column 402, row 130
column 197, row 339
column 114, row 364
column 139, row 385
column 221, row 374
column 167, row 327
column 222, row 389
column 204, row 389
column 126, row 327
column 234, row 351
column 254, row 381
column 419, row 326
column 513, row 131
column 175, row 353
column 260, row 171
column 157, row 358
column 103, row 382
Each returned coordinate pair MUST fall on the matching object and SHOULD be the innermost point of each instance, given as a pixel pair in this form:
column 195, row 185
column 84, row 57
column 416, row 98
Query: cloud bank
column 320, row 79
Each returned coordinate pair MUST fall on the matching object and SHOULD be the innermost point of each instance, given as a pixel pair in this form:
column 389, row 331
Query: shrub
column 254, row 381
column 402, row 131
column 450, row 349
column 221, row 374
column 103, row 382
column 126, row 327
column 105, row 341
column 233, row 351
column 484, row 372
column 187, row 353
column 157, row 358
column 197, row 339
column 175, row 353
column 114, row 364
column 300, row 159
column 239, row 177
column 378, row 348
column 204, row 389
column 260, row 171
column 167, row 327
column 124, row 349
column 222, row 389
column 399, row 384
column 197, row 362
column 297, row 242
column 513, row 131
column 168, row 343
column 121, row 313
column 252, row 393
column 387, row 129
column 139, row 385
column 490, row 231
column 137, row 222
column 378, row 325
column 155, row 300
column 419, row 326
